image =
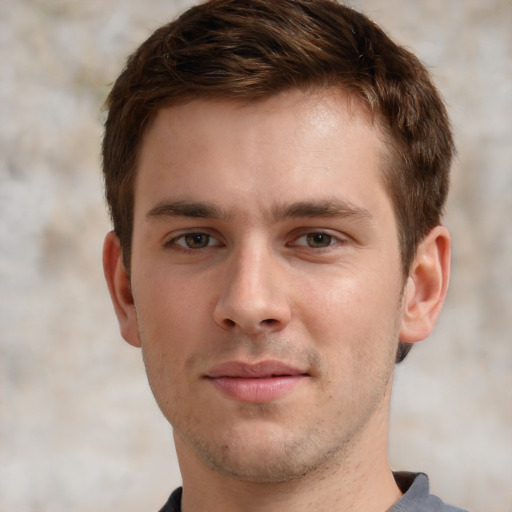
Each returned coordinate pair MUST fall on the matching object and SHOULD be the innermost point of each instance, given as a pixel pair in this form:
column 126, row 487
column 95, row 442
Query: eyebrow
column 325, row 208
column 194, row 209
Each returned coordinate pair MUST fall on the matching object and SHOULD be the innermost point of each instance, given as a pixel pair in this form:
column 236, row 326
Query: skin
column 263, row 232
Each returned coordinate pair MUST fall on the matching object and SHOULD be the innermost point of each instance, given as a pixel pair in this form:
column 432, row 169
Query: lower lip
column 258, row 390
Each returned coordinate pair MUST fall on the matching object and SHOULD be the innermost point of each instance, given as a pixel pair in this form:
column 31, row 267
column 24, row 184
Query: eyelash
column 174, row 242
column 309, row 236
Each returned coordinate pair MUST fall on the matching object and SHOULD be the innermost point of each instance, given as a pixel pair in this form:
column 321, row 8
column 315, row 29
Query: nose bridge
column 252, row 297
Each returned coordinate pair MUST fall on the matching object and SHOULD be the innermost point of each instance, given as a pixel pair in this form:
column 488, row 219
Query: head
column 231, row 269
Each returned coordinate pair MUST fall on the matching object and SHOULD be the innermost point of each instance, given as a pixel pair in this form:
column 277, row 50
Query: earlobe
column 426, row 286
column 120, row 289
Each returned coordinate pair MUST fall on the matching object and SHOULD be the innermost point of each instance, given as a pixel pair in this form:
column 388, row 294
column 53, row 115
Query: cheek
column 175, row 315
column 354, row 321
column 164, row 317
column 168, row 304
column 341, row 305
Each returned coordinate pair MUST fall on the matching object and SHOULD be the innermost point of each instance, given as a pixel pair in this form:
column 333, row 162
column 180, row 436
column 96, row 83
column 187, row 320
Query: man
column 276, row 173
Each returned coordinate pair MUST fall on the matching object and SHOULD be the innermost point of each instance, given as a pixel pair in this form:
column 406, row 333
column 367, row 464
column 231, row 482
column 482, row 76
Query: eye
column 316, row 240
column 194, row 241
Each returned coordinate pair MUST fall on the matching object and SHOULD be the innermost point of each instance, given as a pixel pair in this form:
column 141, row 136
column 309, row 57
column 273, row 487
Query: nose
column 253, row 296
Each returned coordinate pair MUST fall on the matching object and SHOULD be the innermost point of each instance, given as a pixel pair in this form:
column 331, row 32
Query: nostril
column 268, row 321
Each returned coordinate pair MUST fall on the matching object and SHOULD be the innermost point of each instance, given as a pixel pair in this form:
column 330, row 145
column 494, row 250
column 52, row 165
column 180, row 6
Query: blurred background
column 79, row 429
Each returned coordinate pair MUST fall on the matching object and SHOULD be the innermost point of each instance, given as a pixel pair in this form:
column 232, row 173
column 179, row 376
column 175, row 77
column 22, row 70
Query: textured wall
column 79, row 429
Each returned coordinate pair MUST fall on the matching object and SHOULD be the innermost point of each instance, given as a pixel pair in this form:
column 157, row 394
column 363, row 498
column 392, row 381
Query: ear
column 426, row 286
column 120, row 289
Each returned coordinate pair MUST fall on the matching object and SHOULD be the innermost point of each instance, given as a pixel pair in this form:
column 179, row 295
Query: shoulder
column 417, row 497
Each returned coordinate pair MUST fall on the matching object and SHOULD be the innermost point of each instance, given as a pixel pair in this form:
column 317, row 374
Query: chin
column 260, row 469
column 266, row 458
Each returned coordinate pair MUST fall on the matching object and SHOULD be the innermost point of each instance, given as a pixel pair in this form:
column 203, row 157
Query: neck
column 357, row 491
column 357, row 480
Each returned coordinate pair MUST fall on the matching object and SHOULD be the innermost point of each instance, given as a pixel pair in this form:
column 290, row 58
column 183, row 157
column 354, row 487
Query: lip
column 257, row 383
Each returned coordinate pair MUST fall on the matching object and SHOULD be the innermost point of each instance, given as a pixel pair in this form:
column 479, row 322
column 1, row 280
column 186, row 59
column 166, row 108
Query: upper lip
column 239, row 369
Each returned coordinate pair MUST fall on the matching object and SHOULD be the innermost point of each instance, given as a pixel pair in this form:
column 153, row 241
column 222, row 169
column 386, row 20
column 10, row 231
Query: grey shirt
column 416, row 497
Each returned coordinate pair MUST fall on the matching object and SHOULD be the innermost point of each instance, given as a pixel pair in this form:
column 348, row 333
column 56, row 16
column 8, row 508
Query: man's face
column 267, row 281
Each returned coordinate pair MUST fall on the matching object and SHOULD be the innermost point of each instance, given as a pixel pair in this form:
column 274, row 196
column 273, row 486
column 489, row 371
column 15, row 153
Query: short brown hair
column 246, row 50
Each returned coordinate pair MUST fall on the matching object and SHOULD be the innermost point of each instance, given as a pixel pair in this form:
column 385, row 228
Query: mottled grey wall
column 79, row 429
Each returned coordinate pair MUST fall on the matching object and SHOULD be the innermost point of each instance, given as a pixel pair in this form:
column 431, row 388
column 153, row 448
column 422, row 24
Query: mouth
column 255, row 383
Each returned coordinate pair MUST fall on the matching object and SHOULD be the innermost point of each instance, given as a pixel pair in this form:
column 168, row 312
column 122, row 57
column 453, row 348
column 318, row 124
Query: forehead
column 314, row 107
column 289, row 146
